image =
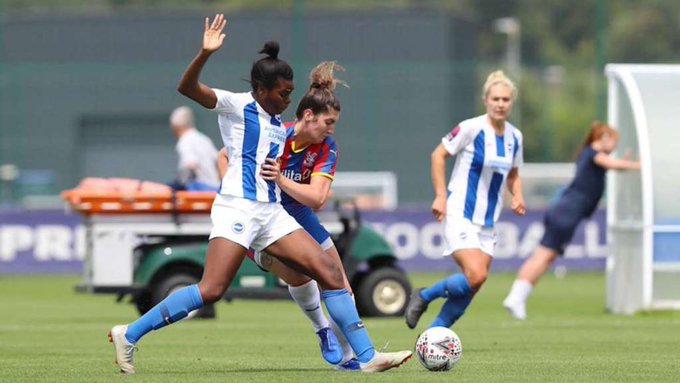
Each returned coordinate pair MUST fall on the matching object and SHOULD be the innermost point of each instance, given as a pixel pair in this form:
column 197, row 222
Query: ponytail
column 320, row 96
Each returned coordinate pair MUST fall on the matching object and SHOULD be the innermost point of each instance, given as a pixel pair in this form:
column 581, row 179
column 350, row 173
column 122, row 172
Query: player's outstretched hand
column 517, row 205
column 439, row 208
column 213, row 36
column 271, row 170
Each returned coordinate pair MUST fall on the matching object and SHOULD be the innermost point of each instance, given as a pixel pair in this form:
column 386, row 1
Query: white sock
column 307, row 296
column 519, row 292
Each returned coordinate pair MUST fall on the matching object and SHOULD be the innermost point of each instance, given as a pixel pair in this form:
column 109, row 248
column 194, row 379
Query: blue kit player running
column 308, row 168
column 247, row 213
column 488, row 152
column 577, row 203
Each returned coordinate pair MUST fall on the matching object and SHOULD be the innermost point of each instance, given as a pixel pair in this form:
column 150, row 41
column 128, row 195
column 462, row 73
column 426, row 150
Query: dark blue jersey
column 587, row 186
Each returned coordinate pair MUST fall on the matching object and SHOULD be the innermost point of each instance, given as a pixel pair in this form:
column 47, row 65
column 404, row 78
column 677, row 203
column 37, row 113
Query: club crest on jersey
column 310, row 158
column 238, row 227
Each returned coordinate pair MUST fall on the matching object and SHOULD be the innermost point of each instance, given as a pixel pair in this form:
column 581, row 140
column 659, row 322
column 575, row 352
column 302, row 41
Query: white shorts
column 460, row 233
column 250, row 223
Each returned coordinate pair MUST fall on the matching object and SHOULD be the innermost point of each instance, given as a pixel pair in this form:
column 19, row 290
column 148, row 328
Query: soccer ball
column 438, row 349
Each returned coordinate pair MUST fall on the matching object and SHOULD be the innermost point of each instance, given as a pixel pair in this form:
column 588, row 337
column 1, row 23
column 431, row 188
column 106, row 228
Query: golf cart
column 147, row 245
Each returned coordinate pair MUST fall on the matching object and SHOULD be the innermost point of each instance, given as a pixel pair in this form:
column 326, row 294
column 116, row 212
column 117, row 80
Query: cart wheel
column 174, row 281
column 383, row 292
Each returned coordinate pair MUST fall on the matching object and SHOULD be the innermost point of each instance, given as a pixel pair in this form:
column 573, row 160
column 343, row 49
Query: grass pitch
column 50, row 334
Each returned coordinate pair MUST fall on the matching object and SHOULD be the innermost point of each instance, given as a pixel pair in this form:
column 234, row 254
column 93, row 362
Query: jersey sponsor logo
column 333, row 152
column 238, row 227
column 276, row 134
column 453, row 133
column 296, row 176
column 500, row 166
column 292, row 174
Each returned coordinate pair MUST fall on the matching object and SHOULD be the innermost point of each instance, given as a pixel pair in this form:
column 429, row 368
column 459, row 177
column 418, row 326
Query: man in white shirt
column 197, row 166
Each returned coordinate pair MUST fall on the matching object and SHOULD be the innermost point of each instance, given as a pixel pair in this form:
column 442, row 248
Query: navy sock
column 171, row 309
column 452, row 286
column 342, row 309
column 453, row 308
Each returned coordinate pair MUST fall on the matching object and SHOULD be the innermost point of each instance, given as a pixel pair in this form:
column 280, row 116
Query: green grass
column 49, row 333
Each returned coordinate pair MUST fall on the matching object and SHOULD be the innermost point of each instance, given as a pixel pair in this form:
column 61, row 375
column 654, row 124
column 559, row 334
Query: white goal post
column 643, row 208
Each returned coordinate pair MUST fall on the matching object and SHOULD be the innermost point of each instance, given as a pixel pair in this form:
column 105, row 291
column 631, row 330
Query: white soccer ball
column 438, row 349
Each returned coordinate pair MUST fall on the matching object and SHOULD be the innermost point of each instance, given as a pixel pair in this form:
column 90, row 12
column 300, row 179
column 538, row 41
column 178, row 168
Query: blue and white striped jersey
column 482, row 165
column 250, row 135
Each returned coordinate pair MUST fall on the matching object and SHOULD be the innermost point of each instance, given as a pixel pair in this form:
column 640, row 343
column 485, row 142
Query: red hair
column 597, row 130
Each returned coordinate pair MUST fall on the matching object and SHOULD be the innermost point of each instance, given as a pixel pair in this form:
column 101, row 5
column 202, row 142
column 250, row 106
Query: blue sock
column 453, row 308
column 342, row 309
column 452, row 286
column 171, row 309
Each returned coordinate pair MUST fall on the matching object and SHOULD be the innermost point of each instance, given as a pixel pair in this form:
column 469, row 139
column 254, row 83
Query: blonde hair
column 498, row 77
column 182, row 117
column 320, row 96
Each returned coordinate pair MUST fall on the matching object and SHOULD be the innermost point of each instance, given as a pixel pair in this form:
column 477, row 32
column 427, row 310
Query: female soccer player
column 247, row 213
column 488, row 152
column 577, row 203
column 308, row 167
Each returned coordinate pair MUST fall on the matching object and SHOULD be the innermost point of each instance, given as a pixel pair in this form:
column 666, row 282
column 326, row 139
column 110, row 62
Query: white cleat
column 516, row 309
column 383, row 361
column 124, row 349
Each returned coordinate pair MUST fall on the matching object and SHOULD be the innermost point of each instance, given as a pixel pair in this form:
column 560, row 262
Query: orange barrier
column 95, row 202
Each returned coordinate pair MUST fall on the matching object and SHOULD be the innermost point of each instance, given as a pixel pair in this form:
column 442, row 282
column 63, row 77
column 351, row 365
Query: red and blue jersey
column 301, row 164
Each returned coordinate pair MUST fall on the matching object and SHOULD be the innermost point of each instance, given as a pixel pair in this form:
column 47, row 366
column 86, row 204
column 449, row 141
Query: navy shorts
column 560, row 222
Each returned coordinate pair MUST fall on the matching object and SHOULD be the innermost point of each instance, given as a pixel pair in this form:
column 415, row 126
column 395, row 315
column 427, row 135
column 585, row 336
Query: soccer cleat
column 124, row 349
column 415, row 309
column 350, row 365
column 383, row 361
column 518, row 310
column 330, row 347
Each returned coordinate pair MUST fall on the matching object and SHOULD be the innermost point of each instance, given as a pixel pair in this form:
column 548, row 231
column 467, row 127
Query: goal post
column 643, row 208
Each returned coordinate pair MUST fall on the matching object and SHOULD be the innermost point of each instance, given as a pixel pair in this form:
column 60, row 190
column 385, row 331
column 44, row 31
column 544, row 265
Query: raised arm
column 609, row 162
column 515, row 187
column 439, row 156
column 189, row 84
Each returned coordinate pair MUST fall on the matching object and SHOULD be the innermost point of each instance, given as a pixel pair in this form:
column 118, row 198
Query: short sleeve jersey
column 483, row 162
column 301, row 164
column 250, row 135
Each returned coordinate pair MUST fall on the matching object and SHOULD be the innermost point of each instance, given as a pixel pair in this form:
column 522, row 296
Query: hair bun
column 271, row 49
column 322, row 76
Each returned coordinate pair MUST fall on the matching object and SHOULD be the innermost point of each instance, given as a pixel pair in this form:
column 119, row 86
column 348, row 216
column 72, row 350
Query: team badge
column 310, row 158
column 237, row 227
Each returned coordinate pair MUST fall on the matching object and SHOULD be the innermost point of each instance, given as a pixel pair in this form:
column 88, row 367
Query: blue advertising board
column 53, row 242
